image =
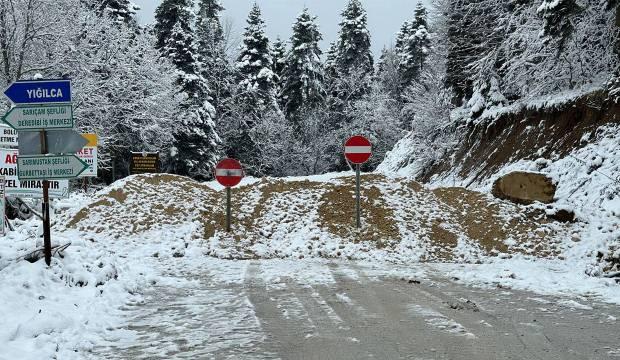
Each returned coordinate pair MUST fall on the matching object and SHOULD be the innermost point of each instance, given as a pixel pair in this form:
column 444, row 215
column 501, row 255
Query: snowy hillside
column 576, row 147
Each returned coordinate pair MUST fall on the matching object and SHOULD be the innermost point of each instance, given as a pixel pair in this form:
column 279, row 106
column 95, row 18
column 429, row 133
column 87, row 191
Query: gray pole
column 357, row 196
column 228, row 211
column 47, row 238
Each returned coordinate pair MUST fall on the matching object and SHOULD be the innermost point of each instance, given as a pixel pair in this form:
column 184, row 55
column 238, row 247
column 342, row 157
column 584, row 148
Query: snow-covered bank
column 62, row 311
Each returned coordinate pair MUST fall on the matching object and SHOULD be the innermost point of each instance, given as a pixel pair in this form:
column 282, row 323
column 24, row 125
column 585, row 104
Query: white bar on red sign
column 358, row 149
column 228, row 172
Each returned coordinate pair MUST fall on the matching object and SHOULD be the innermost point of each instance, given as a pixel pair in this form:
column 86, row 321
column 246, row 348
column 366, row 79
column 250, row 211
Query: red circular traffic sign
column 229, row 172
column 358, row 149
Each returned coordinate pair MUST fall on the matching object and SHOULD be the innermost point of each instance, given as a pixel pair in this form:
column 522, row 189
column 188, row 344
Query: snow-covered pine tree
column 354, row 66
column 413, row 46
column 557, row 16
column 354, row 54
column 303, row 75
column 195, row 152
column 209, row 30
column 331, row 67
column 167, row 15
column 180, row 49
column 196, row 141
column 401, row 36
column 120, row 11
column 255, row 66
column 278, row 55
column 215, row 65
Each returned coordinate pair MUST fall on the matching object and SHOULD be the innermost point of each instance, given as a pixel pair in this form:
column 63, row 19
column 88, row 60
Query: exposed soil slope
column 528, row 133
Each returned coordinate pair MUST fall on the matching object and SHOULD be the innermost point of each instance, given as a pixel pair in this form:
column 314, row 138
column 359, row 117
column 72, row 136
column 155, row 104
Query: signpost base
column 358, row 210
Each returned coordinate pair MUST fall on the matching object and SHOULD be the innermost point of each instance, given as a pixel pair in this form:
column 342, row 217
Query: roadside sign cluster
column 42, row 115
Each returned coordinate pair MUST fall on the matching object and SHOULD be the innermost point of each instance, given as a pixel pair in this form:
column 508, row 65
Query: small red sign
column 358, row 149
column 229, row 172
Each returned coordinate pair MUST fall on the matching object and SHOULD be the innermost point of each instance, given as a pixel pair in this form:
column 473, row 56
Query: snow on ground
column 588, row 182
column 147, row 233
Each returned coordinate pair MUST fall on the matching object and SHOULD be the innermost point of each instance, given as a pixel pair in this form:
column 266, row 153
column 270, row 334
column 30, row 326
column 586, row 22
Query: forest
column 189, row 88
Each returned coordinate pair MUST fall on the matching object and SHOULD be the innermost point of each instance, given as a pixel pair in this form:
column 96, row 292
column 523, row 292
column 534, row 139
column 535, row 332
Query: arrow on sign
column 58, row 142
column 39, row 92
column 40, row 117
column 50, row 167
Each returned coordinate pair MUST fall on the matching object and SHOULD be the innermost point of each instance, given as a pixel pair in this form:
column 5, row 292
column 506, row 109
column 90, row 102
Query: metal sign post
column 47, row 236
column 358, row 150
column 358, row 206
column 228, row 208
column 228, row 173
column 43, row 105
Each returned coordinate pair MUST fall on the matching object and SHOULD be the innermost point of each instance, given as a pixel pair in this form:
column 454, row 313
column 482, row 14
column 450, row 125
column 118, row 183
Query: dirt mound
column 284, row 218
column 337, row 213
column 143, row 202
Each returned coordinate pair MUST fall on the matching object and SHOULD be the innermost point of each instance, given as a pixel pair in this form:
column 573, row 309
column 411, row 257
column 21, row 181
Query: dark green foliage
column 557, row 16
column 303, row 75
column 255, row 63
column 413, row 46
column 354, row 53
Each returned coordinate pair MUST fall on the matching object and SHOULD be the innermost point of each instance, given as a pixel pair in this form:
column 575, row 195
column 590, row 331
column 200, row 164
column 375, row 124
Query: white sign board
column 8, row 137
column 2, row 206
column 88, row 154
column 27, row 188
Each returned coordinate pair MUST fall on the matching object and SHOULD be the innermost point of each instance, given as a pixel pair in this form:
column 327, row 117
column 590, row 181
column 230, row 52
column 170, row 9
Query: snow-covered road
column 281, row 309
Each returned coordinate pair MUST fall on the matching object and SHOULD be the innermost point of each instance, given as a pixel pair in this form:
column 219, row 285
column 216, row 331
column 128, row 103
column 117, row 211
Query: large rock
column 525, row 188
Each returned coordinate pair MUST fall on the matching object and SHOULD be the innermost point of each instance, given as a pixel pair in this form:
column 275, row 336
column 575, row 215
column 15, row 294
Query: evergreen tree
column 351, row 77
column 331, row 67
column 278, row 54
column 354, row 54
column 401, row 37
column 167, row 15
column 121, row 11
column 209, row 28
column 303, row 76
column 195, row 140
column 215, row 66
column 255, row 64
column 180, row 49
column 557, row 16
column 413, row 47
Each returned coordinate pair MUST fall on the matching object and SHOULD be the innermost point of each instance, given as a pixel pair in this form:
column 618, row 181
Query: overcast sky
column 384, row 16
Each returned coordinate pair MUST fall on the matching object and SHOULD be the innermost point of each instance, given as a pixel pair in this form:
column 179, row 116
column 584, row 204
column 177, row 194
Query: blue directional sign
column 39, row 92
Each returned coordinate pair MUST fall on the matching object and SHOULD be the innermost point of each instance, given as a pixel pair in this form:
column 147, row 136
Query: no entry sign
column 229, row 172
column 358, row 149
